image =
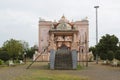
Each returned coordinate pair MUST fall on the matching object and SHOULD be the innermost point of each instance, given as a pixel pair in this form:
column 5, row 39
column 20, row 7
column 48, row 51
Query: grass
column 79, row 67
column 61, row 77
column 41, row 72
column 45, row 75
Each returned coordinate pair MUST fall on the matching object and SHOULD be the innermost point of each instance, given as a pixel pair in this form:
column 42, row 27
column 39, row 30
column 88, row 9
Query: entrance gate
column 63, row 58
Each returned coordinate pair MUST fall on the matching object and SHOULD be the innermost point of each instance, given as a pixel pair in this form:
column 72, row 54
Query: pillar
column 52, row 58
column 74, row 59
column 74, row 37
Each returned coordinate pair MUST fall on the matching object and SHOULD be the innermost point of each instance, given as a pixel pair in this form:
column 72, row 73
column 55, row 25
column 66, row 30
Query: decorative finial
column 63, row 19
column 63, row 16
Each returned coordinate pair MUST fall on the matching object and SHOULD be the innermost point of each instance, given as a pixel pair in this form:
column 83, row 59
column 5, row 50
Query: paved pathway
column 101, row 72
column 93, row 72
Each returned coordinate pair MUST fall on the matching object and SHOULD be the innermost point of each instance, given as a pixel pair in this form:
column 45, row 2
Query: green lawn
column 43, row 73
column 50, row 75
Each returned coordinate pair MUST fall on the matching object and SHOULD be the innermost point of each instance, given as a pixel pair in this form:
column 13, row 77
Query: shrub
column 103, row 56
column 117, row 55
column 1, row 62
column 20, row 57
column 110, row 55
column 4, row 56
column 16, row 61
column 7, row 62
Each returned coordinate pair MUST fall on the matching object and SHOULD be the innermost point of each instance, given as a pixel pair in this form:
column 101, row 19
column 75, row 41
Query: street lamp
column 96, row 7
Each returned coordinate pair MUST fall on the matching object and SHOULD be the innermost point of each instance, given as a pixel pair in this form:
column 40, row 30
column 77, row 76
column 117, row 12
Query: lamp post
column 96, row 7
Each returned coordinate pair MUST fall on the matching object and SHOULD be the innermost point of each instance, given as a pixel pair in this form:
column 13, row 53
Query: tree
column 4, row 56
column 31, row 51
column 103, row 56
column 0, row 49
column 25, row 45
column 117, row 55
column 107, row 43
column 13, row 48
column 93, row 49
column 110, row 55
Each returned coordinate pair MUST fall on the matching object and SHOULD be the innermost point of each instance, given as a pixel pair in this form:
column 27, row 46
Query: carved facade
column 74, row 35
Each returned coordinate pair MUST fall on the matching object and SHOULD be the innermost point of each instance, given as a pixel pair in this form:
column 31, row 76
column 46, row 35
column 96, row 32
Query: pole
column 86, row 55
column 25, row 56
column 86, row 45
column 96, row 7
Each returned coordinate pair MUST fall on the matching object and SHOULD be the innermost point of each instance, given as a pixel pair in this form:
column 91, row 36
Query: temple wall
column 44, row 28
column 79, row 38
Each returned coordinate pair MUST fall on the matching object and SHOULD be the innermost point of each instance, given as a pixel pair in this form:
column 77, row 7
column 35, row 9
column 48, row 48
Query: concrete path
column 100, row 72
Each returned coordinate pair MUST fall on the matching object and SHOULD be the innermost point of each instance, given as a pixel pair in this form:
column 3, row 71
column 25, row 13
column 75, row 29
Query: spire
column 63, row 16
column 63, row 19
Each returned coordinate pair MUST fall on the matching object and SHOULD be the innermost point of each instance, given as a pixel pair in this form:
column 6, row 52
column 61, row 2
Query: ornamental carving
column 64, row 26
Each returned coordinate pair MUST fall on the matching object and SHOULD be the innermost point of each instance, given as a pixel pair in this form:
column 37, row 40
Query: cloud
column 18, row 25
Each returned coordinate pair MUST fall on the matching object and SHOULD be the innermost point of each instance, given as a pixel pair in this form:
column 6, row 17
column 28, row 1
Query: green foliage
column 79, row 67
column 110, row 55
column 93, row 49
column 7, row 62
column 117, row 55
column 31, row 51
column 4, row 56
column 61, row 77
column 1, row 62
column 17, row 61
column 25, row 45
column 20, row 57
column 0, row 49
column 13, row 48
column 103, row 56
column 107, row 43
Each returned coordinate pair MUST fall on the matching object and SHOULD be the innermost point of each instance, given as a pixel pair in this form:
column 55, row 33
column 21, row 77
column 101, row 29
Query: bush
column 16, row 61
column 117, row 55
column 110, row 55
column 103, row 56
column 20, row 57
column 4, row 56
column 1, row 62
column 7, row 62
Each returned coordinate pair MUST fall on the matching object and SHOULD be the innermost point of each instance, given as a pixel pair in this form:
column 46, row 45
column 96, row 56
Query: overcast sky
column 19, row 18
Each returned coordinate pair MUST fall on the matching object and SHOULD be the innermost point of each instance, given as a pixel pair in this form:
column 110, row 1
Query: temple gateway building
column 63, row 43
